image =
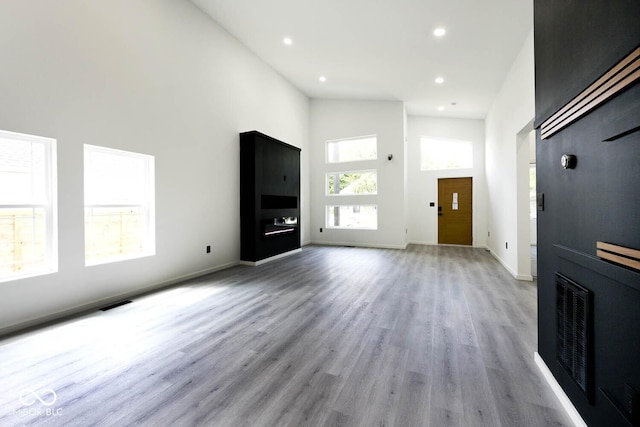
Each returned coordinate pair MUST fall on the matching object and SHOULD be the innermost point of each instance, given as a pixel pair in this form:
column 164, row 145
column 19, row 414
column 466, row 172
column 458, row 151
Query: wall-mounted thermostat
column 568, row 161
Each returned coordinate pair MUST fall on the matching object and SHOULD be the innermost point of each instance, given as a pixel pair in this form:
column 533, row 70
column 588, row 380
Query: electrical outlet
column 506, row 245
column 208, row 249
column 321, row 229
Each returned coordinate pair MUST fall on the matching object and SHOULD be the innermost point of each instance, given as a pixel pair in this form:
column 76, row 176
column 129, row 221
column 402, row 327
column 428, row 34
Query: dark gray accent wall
column 575, row 43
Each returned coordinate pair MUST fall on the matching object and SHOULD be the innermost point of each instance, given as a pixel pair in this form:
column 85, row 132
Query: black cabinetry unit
column 269, row 197
column 587, row 62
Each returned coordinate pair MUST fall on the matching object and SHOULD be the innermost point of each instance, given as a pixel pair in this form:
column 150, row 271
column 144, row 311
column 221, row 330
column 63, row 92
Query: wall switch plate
column 540, row 201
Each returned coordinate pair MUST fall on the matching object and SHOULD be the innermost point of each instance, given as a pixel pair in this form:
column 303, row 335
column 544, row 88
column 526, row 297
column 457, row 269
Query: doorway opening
column 526, row 246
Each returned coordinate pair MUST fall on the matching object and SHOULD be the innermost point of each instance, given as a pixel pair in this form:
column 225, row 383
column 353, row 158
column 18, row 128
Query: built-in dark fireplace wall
column 587, row 59
column 269, row 197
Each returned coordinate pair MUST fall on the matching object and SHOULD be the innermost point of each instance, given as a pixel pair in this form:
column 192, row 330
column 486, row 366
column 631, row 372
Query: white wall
column 533, row 226
column 423, row 185
column 155, row 77
column 335, row 119
column 511, row 114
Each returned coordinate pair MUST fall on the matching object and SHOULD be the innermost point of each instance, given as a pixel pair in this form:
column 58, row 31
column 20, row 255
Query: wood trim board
column 618, row 78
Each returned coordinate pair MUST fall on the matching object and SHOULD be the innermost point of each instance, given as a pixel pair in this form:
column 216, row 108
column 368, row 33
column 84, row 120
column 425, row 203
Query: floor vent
column 573, row 314
column 116, row 305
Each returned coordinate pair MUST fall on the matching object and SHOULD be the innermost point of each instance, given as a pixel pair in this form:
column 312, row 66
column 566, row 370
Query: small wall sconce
column 390, row 156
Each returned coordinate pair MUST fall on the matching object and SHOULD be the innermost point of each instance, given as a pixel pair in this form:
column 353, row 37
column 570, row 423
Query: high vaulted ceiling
column 385, row 49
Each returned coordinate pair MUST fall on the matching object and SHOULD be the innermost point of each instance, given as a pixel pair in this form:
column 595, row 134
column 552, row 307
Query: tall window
column 119, row 212
column 439, row 154
column 359, row 187
column 28, row 225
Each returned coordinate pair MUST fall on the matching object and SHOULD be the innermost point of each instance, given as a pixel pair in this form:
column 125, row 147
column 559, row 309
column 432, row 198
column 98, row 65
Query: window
column 358, row 182
column 352, row 150
column 439, row 154
column 354, row 217
column 28, row 226
column 119, row 205
column 356, row 185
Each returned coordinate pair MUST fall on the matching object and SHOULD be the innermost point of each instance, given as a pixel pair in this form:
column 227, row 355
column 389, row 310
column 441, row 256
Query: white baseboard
column 523, row 277
column 560, row 394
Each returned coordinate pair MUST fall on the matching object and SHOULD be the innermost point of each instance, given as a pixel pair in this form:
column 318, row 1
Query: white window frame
column 48, row 203
column 148, row 204
column 329, row 174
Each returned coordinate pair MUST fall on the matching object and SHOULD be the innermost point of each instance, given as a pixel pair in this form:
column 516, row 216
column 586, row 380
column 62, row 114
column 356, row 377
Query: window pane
column 22, row 172
column 115, row 177
column 439, row 154
column 350, row 150
column 23, row 236
column 363, row 182
column 114, row 232
column 354, row 217
column 119, row 205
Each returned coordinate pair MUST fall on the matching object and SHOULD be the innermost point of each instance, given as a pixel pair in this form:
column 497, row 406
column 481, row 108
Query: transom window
column 119, row 205
column 440, row 154
column 28, row 225
column 352, row 150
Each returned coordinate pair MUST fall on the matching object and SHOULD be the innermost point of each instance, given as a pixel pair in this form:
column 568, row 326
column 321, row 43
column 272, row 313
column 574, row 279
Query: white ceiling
column 385, row 49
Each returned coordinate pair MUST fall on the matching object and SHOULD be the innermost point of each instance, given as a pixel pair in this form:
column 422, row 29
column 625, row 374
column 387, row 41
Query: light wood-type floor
column 428, row 336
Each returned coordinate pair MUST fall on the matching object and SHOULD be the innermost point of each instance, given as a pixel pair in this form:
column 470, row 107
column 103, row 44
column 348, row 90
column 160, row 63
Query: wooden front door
column 455, row 215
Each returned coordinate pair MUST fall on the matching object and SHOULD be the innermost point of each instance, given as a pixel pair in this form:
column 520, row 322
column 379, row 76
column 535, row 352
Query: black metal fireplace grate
column 573, row 331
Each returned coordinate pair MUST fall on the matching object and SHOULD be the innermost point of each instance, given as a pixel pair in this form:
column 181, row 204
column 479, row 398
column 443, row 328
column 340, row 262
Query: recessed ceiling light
column 439, row 80
column 322, row 79
column 287, row 41
column 441, row 108
column 439, row 32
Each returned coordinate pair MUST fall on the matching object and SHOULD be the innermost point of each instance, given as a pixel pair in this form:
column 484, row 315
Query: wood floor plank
column 331, row 336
